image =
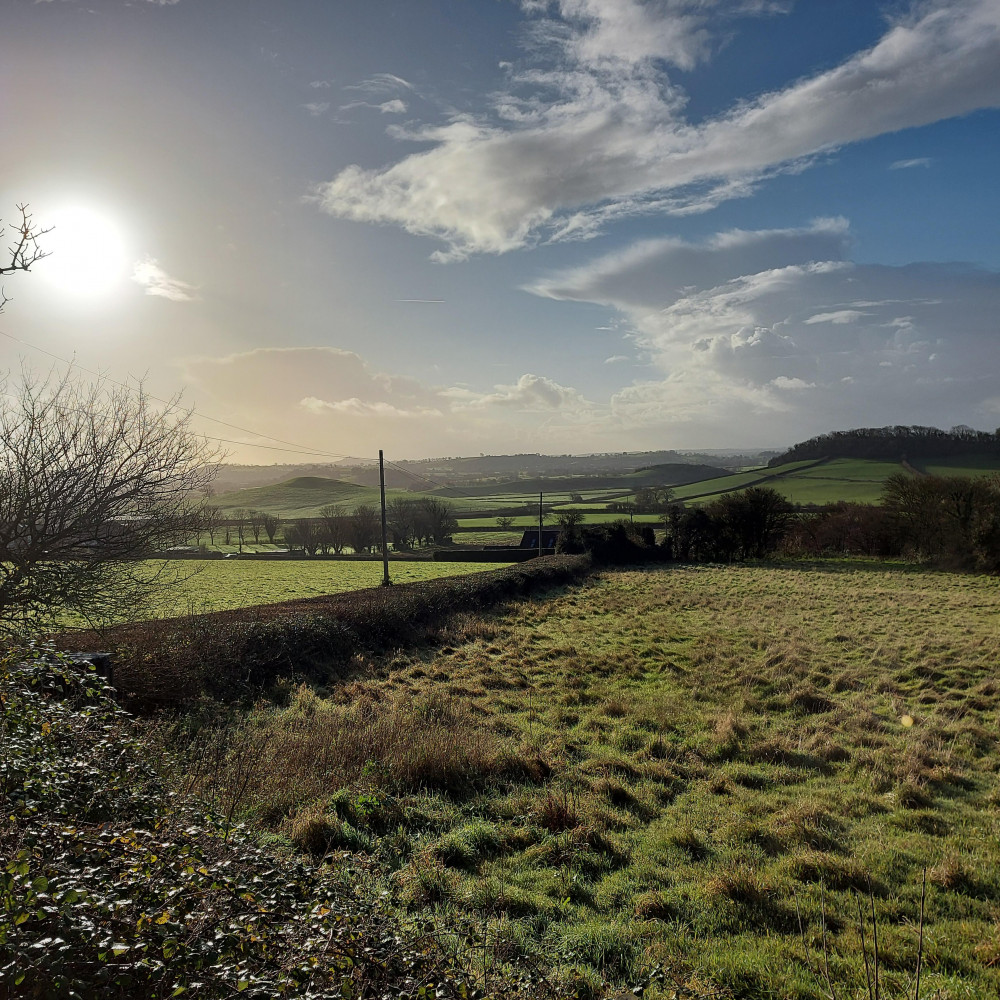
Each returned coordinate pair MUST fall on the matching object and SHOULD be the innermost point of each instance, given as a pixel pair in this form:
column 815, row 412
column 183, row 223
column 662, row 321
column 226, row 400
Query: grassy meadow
column 221, row 585
column 695, row 773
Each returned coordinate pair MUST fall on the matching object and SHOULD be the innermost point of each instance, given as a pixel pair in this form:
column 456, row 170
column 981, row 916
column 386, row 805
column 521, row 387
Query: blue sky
column 447, row 227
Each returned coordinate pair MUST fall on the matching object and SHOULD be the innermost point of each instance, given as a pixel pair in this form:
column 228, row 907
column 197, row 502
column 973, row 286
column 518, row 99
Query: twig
column 871, row 896
column 864, row 947
column 802, row 935
column 920, row 945
column 826, row 953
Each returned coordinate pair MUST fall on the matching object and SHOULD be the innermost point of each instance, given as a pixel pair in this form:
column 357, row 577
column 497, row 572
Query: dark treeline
column 952, row 522
column 892, row 444
column 745, row 525
column 408, row 523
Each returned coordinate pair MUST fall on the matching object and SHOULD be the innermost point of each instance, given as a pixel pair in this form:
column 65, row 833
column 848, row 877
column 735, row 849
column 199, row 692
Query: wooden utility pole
column 541, row 518
column 385, row 545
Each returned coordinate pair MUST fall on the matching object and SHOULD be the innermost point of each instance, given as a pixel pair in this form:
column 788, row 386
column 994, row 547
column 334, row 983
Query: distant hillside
column 673, row 474
column 481, row 469
column 676, row 474
column 299, row 497
column 894, row 444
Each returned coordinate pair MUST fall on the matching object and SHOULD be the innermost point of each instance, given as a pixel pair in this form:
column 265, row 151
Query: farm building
column 529, row 540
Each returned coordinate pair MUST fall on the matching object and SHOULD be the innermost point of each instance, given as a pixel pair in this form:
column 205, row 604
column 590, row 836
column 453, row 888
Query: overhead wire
column 293, row 449
column 438, row 486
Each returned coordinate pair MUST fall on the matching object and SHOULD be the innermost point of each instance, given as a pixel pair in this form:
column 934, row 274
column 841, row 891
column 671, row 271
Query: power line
column 436, row 485
column 293, row 449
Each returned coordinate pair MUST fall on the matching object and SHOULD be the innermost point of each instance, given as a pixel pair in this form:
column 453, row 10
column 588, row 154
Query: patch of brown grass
column 739, row 882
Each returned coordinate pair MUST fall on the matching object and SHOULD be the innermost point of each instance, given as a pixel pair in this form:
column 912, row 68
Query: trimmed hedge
column 511, row 555
column 232, row 655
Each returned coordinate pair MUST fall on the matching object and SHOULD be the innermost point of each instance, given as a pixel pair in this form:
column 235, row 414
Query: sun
column 89, row 256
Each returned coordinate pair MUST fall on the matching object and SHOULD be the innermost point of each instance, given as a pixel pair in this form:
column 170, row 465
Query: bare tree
column 240, row 519
column 363, row 527
column 306, row 534
column 436, row 520
column 93, row 480
column 271, row 523
column 569, row 520
column 400, row 520
column 256, row 519
column 335, row 523
column 210, row 520
column 24, row 251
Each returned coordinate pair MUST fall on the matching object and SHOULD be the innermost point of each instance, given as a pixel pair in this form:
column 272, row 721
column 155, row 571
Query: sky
column 454, row 227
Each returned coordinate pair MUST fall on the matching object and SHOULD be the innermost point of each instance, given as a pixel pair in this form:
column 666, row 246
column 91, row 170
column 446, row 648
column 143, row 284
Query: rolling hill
column 669, row 474
column 299, row 497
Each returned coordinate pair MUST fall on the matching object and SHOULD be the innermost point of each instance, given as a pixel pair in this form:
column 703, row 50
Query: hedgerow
column 233, row 654
column 112, row 885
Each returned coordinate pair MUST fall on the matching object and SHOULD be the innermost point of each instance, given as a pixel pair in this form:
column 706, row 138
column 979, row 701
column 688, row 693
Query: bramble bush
column 113, row 885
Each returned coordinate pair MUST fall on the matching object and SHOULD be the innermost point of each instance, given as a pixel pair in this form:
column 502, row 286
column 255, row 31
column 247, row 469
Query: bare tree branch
column 24, row 251
column 93, row 480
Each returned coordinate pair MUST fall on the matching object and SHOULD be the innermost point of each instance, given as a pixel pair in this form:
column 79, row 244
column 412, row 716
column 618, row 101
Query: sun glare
column 89, row 256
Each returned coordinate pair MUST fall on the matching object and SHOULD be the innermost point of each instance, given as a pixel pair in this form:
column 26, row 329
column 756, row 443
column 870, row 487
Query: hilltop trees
column 893, row 444
column 93, row 479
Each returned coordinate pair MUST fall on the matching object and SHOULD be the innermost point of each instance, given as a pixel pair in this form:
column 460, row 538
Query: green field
column 222, row 584
column 967, row 465
column 738, row 481
column 856, row 480
column 527, row 521
column 487, row 537
column 670, row 769
column 302, row 497
column 808, row 482
column 850, row 479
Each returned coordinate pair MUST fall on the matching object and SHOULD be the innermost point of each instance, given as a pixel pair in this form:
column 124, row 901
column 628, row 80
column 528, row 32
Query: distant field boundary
column 755, row 482
column 236, row 655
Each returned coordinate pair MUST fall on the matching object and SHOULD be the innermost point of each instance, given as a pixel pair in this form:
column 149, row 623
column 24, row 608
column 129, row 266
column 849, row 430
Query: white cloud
column 381, row 83
column 148, row 273
column 359, row 408
column 615, row 359
column 334, row 400
column 656, row 273
column 393, row 107
column 742, row 324
column 316, row 108
column 840, row 317
column 920, row 161
column 598, row 132
column 530, row 393
column 784, row 382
